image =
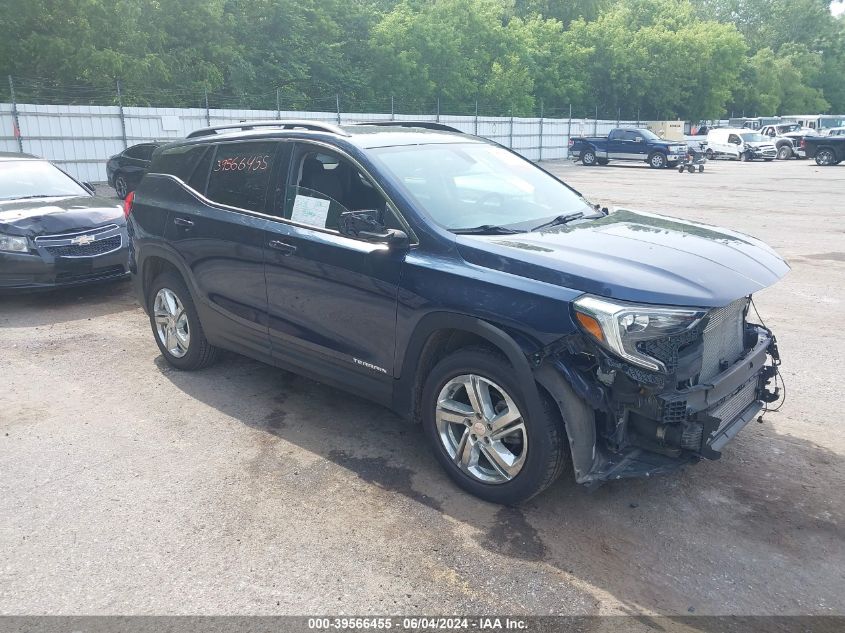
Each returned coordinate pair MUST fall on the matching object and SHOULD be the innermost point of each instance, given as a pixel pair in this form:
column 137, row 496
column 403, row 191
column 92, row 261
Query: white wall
column 81, row 138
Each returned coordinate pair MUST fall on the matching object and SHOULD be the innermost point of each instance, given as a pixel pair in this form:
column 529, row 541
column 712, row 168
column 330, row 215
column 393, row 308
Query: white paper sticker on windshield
column 311, row 211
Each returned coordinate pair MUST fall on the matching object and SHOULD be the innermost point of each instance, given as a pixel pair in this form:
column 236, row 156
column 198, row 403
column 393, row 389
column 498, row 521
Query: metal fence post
column 337, row 101
column 476, row 118
column 278, row 105
column 122, row 118
column 16, row 123
column 638, row 116
column 569, row 130
column 438, row 110
column 207, row 110
column 540, row 159
column 510, row 133
column 596, row 123
column 618, row 116
column 392, row 109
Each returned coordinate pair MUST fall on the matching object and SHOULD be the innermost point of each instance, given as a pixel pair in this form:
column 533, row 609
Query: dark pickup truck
column 636, row 144
column 827, row 150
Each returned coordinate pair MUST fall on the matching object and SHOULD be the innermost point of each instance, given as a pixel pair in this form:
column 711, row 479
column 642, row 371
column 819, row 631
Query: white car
column 835, row 131
column 740, row 144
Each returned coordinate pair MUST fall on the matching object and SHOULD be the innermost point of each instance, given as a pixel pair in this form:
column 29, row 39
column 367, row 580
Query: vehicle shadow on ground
column 66, row 304
column 678, row 544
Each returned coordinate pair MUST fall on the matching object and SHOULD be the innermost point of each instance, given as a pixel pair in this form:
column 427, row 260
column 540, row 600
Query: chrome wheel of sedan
column 481, row 429
column 171, row 323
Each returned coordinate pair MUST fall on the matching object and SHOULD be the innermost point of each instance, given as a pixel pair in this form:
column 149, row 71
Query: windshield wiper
column 561, row 219
column 486, row 229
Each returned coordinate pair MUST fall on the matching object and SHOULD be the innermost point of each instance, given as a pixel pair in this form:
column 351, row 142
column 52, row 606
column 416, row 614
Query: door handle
column 183, row 222
column 286, row 249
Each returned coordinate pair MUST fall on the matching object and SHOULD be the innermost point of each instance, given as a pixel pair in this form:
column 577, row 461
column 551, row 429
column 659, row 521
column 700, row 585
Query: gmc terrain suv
column 464, row 287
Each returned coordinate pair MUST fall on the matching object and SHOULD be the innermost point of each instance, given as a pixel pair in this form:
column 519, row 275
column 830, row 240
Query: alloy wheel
column 171, row 323
column 481, row 429
column 824, row 157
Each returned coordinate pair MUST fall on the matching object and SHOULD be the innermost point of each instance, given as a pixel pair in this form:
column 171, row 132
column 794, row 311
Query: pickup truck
column 827, row 150
column 787, row 138
column 637, row 144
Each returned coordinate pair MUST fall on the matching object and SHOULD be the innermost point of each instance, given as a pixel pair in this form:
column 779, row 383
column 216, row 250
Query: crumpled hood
column 635, row 256
column 49, row 216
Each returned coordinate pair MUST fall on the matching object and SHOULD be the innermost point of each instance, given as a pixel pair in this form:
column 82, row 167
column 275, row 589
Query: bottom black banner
column 420, row 624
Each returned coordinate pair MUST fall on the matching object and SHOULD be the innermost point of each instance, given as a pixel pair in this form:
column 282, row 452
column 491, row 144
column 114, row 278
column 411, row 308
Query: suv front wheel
column 476, row 418
column 176, row 326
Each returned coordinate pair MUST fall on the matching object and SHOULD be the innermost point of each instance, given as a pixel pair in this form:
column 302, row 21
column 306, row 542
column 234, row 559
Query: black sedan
column 53, row 230
column 126, row 169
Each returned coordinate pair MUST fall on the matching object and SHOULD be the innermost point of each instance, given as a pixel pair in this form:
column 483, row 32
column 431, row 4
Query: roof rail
column 427, row 125
column 283, row 124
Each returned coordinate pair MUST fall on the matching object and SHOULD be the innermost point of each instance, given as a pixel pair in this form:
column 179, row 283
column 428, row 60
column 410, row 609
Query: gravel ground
column 130, row 488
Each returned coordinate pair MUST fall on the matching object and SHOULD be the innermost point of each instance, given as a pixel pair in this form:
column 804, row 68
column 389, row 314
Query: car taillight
column 802, row 144
column 127, row 203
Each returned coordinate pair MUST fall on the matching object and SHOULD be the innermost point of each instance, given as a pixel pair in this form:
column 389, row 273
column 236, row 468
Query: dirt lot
column 126, row 487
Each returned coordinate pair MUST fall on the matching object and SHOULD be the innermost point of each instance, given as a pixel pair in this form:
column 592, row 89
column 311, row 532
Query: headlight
column 619, row 326
column 13, row 243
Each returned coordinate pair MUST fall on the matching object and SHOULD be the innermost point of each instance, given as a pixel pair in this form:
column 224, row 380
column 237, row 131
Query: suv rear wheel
column 588, row 157
column 476, row 418
column 176, row 326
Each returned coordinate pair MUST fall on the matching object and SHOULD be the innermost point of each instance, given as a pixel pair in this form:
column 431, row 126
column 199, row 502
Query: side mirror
column 89, row 187
column 365, row 225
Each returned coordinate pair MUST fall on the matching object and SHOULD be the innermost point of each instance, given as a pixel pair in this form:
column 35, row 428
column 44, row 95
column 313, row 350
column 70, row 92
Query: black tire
column 547, row 453
column 602, row 161
column 681, row 169
column 657, row 160
column 743, row 157
column 121, row 187
column 784, row 152
column 825, row 157
column 200, row 353
column 588, row 158
column 691, row 169
column 700, row 168
column 709, row 154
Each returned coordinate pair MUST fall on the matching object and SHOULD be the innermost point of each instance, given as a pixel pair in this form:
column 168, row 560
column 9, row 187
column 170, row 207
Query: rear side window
column 177, row 161
column 142, row 152
column 240, row 173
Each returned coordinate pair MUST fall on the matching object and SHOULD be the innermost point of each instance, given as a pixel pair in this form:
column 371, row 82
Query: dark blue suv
column 464, row 287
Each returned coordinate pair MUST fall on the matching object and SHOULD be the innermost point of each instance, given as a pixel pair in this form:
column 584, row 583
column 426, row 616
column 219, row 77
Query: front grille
column 730, row 407
column 101, row 241
column 723, row 339
column 99, row 247
column 103, row 273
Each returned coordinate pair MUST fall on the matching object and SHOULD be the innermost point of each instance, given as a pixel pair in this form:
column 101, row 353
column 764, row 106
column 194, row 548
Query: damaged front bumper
column 644, row 427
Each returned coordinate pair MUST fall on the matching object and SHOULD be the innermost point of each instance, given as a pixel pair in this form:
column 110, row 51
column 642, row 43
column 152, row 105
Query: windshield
column 753, row 137
column 463, row 186
column 785, row 129
column 35, row 179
